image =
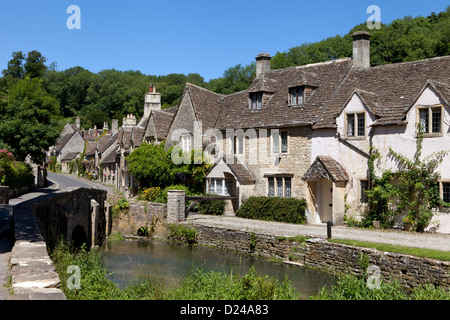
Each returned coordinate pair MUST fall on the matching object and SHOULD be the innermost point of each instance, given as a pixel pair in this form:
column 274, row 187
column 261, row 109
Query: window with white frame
column 356, row 125
column 186, row 143
column 279, row 187
column 237, row 144
column 220, row 186
column 430, row 120
column 296, row 96
column 256, row 100
column 280, row 142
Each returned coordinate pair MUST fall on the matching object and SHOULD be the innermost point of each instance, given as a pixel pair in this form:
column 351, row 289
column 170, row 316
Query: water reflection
column 128, row 260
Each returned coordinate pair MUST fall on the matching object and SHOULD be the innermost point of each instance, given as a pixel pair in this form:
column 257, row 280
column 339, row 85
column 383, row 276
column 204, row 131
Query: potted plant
column 408, row 223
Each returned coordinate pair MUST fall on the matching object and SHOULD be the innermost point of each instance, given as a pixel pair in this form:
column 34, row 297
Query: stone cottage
column 307, row 131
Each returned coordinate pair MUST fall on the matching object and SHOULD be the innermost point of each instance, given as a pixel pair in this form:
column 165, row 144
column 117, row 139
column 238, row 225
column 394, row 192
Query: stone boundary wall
column 409, row 271
column 139, row 214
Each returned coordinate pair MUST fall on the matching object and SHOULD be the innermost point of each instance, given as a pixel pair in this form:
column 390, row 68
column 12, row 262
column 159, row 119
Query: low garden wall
column 409, row 271
column 139, row 214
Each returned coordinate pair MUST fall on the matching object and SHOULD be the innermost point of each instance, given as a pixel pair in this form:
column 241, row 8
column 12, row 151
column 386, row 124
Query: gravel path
column 434, row 241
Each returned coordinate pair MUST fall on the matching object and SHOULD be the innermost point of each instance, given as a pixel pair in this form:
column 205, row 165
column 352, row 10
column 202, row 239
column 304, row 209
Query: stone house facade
column 307, row 131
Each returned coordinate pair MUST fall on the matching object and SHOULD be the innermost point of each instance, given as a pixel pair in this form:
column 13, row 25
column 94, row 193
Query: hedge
column 212, row 207
column 288, row 210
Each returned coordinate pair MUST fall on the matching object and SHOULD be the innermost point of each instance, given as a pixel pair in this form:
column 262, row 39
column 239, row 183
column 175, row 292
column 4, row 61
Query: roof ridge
column 396, row 64
column 204, row 89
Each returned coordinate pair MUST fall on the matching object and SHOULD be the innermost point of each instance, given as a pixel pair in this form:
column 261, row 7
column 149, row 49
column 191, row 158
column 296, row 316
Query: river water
column 131, row 260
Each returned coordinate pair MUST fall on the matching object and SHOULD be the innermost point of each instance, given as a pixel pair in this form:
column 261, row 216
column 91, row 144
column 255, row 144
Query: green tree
column 29, row 120
column 152, row 165
column 35, row 64
column 234, row 79
column 15, row 66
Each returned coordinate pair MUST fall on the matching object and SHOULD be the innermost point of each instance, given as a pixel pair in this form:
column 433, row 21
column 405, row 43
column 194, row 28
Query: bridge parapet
column 39, row 222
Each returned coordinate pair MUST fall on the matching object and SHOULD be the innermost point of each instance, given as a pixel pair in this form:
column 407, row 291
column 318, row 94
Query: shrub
column 289, row 210
column 14, row 174
column 180, row 232
column 212, row 207
column 150, row 194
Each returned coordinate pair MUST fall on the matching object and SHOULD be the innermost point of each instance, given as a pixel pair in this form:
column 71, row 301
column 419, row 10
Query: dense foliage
column 212, row 207
column 289, row 210
column 406, row 39
column 152, row 165
column 14, row 174
column 29, row 120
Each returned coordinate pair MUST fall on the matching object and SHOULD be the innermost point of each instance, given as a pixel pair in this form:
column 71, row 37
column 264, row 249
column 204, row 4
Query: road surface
column 62, row 181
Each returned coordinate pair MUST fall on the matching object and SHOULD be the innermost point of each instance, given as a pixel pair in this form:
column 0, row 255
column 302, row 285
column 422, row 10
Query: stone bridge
column 80, row 216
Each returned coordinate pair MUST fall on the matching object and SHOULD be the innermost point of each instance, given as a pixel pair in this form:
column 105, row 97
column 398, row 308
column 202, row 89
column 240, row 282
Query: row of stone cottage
column 303, row 132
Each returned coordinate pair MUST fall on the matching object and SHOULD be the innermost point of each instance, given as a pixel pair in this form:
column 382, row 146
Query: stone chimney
column 77, row 122
column 114, row 126
column 152, row 101
column 129, row 121
column 361, row 49
column 262, row 64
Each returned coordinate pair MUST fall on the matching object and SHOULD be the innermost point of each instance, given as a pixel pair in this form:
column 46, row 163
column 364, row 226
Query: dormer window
column 296, row 96
column 356, row 125
column 430, row 120
column 256, row 100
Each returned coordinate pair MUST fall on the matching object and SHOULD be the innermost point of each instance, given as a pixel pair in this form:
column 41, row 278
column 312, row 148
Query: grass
column 418, row 252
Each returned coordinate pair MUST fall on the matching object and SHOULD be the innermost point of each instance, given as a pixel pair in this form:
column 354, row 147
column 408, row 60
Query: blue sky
column 180, row 36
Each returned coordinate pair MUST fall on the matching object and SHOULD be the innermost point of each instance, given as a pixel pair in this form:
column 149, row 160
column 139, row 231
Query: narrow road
column 63, row 181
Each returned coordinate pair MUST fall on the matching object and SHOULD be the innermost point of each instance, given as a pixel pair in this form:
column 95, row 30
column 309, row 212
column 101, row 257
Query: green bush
column 162, row 197
column 212, row 207
column 14, row 174
column 180, row 232
column 289, row 210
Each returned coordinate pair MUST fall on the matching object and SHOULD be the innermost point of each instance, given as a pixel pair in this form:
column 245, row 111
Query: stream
column 130, row 260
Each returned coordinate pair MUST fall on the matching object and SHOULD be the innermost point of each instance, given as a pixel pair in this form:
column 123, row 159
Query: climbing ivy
column 413, row 189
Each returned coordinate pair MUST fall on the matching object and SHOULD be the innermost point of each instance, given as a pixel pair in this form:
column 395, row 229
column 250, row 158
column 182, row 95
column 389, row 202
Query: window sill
column 433, row 135
column 356, row 138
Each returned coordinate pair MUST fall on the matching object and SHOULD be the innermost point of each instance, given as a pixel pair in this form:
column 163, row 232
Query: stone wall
column 243, row 241
column 139, row 214
column 4, row 195
column 410, row 271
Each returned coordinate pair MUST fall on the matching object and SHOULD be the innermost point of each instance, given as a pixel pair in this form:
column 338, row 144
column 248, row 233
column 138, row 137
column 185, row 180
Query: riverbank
column 279, row 240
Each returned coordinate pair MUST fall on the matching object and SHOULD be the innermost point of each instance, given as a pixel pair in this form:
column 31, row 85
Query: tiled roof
column 91, row 146
column 110, row 158
column 63, row 141
column 207, row 105
column 324, row 77
column 240, row 171
column 70, row 156
column 162, row 119
column 105, row 142
column 325, row 167
column 394, row 88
